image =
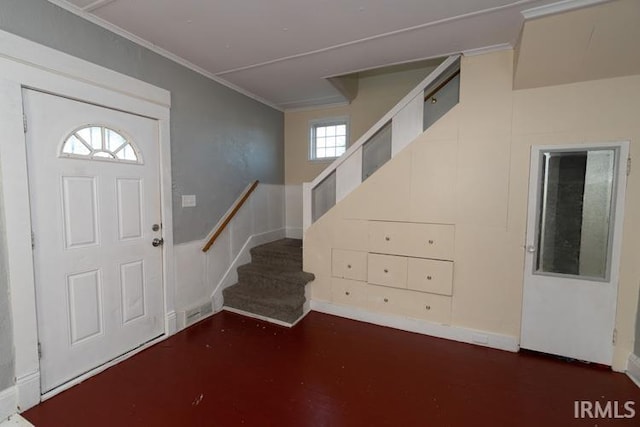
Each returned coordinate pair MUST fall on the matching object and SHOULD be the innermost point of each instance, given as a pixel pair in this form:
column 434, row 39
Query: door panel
column 574, row 231
column 93, row 203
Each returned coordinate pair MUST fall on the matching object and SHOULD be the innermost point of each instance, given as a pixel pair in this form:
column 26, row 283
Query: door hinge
column 39, row 350
column 33, row 240
column 615, row 336
column 24, row 122
column 628, row 166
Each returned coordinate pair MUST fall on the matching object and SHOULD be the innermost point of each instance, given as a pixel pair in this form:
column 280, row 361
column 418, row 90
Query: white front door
column 574, row 230
column 95, row 206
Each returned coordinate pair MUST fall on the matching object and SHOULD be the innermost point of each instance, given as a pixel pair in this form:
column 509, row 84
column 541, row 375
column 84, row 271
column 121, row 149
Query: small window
column 329, row 138
column 100, row 143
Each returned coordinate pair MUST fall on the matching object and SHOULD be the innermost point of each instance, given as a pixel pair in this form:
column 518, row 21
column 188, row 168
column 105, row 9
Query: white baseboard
column 264, row 318
column 230, row 276
column 8, row 403
column 294, row 232
column 28, row 390
column 633, row 368
column 171, row 323
column 259, row 317
column 455, row 333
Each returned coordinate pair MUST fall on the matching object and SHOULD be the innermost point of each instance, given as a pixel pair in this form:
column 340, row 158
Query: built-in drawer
column 349, row 264
column 428, row 275
column 412, row 239
column 350, row 293
column 387, row 270
column 403, row 302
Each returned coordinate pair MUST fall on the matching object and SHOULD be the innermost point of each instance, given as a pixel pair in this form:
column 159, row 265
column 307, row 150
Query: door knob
column 157, row 242
column 531, row 249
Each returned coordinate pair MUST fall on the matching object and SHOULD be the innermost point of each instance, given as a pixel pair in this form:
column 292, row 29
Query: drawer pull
column 387, row 238
column 386, row 271
column 348, row 265
column 347, row 293
column 431, row 242
column 428, row 307
column 429, row 277
column 386, row 300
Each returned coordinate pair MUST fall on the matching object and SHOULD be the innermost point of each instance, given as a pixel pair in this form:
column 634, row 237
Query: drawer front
column 418, row 305
column 412, row 239
column 387, row 270
column 427, row 275
column 349, row 264
column 350, row 292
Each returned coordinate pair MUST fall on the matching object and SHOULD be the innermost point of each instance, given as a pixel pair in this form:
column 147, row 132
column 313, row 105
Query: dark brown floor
column 327, row 371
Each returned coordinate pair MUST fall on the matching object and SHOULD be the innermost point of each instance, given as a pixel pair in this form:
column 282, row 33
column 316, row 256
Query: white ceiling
column 281, row 51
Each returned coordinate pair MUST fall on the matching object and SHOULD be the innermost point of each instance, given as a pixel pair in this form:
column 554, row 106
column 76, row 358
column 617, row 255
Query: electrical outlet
column 189, row 201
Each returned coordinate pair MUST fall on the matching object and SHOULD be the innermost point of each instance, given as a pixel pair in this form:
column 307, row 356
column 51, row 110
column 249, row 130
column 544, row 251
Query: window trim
column 91, row 155
column 326, row 121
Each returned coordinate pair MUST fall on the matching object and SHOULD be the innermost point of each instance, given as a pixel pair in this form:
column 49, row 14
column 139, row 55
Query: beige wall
column 377, row 94
column 471, row 169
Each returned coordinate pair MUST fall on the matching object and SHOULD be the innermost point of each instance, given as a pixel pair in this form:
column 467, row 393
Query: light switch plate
column 189, row 201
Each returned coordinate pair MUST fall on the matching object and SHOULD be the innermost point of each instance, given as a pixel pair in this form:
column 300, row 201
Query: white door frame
column 27, row 64
column 618, row 206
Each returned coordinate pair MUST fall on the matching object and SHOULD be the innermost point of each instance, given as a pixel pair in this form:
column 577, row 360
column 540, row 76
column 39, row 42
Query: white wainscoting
column 201, row 277
column 293, row 212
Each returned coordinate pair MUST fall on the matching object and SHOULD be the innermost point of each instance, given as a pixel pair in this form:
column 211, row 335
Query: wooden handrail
column 230, row 216
column 441, row 85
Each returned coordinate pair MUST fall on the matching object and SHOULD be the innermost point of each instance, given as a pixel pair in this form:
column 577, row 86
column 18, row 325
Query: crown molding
column 156, row 49
column 487, row 49
column 559, row 7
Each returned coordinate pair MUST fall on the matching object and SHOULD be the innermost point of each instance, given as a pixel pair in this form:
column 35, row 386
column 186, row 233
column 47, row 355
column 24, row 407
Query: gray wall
column 221, row 140
column 6, row 335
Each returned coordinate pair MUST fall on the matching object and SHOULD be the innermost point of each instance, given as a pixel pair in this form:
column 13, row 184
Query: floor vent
column 193, row 315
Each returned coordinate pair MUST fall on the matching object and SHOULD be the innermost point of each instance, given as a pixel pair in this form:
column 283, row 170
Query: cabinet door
column 349, row 264
column 350, row 293
column 402, row 302
column 387, row 270
column 427, row 275
column 412, row 239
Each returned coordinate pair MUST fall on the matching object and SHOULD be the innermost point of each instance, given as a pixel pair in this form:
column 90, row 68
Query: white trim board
column 633, row 369
column 30, row 53
column 559, row 7
column 455, row 333
column 85, row 14
column 27, row 64
column 8, row 403
column 28, row 390
column 259, row 317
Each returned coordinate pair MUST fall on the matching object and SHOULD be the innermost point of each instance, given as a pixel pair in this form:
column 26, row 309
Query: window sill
column 323, row 160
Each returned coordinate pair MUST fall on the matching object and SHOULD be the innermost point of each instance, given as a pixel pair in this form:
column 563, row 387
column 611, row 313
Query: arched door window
column 100, row 143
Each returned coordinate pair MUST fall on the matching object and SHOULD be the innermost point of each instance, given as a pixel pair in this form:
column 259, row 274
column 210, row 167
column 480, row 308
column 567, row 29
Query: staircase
column 273, row 284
